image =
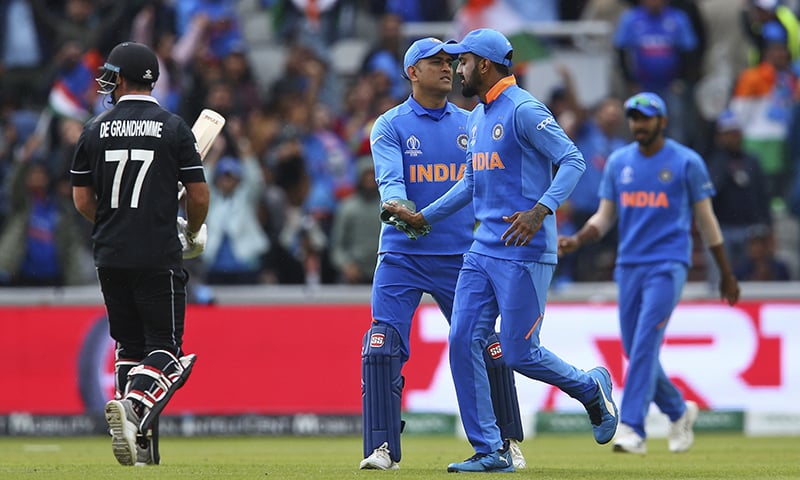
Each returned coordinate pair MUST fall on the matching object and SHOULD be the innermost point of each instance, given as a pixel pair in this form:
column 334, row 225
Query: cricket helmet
column 133, row 61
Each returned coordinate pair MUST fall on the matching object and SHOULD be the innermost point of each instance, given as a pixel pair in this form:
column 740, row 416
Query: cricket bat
column 206, row 129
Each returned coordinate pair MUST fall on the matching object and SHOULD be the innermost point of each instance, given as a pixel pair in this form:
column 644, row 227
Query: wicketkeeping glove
column 193, row 243
column 411, row 232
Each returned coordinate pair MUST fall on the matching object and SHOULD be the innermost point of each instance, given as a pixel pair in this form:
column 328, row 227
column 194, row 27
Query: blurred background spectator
column 658, row 52
column 40, row 244
column 356, row 229
column 741, row 203
column 220, row 18
column 760, row 264
column 236, row 242
column 22, row 51
column 756, row 14
column 762, row 100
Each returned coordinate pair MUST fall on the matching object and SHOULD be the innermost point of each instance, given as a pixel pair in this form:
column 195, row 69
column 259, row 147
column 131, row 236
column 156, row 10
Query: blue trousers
column 647, row 296
column 398, row 285
column 516, row 291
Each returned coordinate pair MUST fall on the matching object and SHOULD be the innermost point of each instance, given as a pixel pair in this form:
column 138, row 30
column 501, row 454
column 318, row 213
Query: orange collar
column 499, row 87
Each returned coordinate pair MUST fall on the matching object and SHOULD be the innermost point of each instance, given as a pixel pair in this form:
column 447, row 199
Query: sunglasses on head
column 640, row 101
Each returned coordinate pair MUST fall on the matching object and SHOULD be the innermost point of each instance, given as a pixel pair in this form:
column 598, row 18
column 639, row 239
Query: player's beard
column 115, row 96
column 469, row 85
column 649, row 139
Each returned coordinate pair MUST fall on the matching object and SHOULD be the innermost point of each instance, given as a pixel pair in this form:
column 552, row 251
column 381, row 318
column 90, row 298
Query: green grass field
column 714, row 456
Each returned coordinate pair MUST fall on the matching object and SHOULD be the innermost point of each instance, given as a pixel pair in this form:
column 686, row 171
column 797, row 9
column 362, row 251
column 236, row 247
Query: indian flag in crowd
column 73, row 91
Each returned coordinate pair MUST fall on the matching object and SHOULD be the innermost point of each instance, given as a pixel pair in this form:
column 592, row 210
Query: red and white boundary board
column 287, row 359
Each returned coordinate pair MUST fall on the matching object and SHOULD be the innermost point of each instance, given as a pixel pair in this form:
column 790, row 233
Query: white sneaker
column 124, row 425
column 517, row 458
column 681, row 435
column 379, row 460
column 626, row 440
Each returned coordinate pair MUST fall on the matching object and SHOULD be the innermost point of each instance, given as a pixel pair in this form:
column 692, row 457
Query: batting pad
column 122, row 366
column 381, row 389
column 155, row 380
column 504, row 391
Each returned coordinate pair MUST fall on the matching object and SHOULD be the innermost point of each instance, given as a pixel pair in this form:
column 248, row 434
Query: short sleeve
column 188, row 154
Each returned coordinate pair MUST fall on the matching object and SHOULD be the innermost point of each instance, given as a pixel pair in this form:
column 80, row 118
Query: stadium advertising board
column 296, row 359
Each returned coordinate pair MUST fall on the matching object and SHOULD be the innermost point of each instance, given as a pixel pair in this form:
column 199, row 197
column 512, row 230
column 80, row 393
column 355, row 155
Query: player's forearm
column 456, row 198
column 598, row 224
column 721, row 259
column 88, row 212
column 197, row 202
column 587, row 234
column 85, row 202
column 707, row 223
column 569, row 172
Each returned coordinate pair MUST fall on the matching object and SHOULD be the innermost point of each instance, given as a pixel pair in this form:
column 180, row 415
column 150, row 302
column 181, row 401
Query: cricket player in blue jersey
column 418, row 150
column 514, row 143
column 652, row 188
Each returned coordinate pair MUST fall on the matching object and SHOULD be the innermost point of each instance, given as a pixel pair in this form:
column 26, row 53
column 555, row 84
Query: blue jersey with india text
column 654, row 198
column 419, row 155
column 514, row 143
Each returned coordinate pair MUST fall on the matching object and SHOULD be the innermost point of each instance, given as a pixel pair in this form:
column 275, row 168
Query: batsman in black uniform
column 125, row 175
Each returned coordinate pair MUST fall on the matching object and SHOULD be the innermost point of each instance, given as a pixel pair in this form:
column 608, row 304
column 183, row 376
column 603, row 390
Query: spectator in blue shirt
column 655, row 43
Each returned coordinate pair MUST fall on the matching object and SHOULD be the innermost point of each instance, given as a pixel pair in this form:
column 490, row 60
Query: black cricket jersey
column 134, row 155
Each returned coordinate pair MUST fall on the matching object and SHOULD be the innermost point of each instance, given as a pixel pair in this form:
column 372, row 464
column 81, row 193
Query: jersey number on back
column 122, row 157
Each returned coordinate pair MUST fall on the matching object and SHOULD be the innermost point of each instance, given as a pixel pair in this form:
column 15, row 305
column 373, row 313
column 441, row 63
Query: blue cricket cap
column 647, row 103
column 727, row 121
column 774, row 32
column 486, row 43
column 228, row 165
column 423, row 48
column 383, row 62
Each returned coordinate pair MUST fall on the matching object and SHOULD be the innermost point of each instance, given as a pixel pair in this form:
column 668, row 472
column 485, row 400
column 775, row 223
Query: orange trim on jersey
column 535, row 324
column 498, row 88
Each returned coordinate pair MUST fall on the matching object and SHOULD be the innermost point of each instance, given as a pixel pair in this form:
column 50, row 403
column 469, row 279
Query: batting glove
column 193, row 243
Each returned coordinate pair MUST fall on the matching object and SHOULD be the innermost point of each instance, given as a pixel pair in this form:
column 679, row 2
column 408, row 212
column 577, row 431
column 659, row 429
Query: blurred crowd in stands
column 294, row 199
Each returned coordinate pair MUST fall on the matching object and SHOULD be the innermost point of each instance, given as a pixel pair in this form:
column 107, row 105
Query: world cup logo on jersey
column 626, row 176
column 412, row 146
